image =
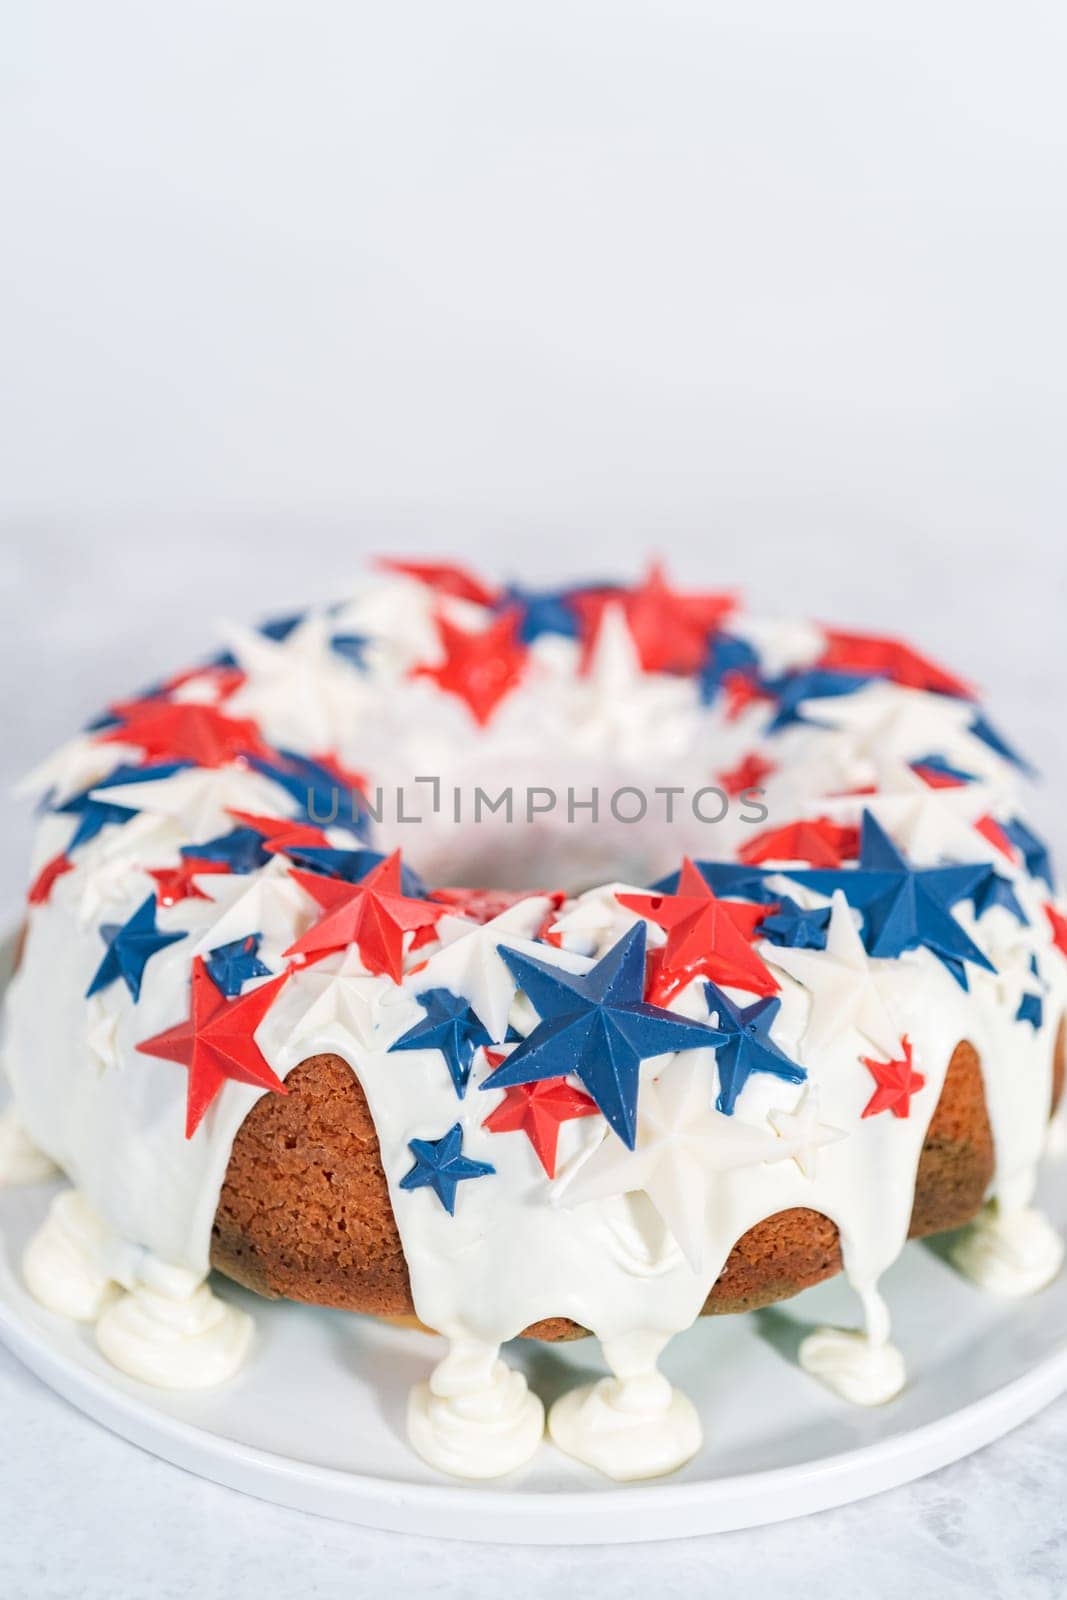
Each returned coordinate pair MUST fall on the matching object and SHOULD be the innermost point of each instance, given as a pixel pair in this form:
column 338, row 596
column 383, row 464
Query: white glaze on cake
column 592, row 1245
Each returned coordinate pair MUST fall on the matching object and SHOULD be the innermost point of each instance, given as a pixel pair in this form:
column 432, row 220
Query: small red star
column 196, row 733
column 481, row 668
column 538, row 1110
column 174, row 884
column 888, row 658
column 740, row 690
column 372, row 914
column 896, row 1082
column 703, row 939
column 442, row 578
column 820, row 842
column 671, row 630
column 1058, row 923
column 41, row 887
column 748, row 774
column 282, row 833
column 216, row 1042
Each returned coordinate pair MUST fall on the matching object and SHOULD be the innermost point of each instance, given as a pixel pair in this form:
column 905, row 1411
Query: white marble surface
column 282, row 285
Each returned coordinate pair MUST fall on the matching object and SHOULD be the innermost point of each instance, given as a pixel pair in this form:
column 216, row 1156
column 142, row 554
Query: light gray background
column 774, row 289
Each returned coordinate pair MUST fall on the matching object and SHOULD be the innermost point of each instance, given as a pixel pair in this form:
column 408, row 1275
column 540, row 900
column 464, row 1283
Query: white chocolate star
column 682, row 1143
column 805, row 1133
column 469, row 964
column 74, row 766
column 883, row 724
column 199, row 799
column 931, row 824
column 595, row 921
column 299, row 689
column 338, row 995
column 271, row 903
column 843, row 984
column 621, row 710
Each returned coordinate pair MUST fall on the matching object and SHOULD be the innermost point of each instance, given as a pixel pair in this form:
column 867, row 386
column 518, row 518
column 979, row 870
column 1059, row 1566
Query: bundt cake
column 341, row 974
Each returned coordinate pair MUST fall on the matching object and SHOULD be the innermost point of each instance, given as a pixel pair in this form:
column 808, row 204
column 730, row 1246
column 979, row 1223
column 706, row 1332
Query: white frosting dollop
column 633, row 1424
column 20, row 1159
column 172, row 1331
column 854, row 1365
column 475, row 1416
column 1014, row 1252
column 64, row 1263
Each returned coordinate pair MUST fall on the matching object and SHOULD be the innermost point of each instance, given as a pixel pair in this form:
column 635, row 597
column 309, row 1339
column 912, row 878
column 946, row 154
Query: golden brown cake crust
column 305, row 1212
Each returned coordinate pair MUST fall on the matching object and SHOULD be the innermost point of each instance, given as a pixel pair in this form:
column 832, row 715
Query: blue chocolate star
column 322, row 798
column 451, row 1026
column 129, row 947
column 748, row 1046
column 796, row 928
column 440, row 1166
column 95, row 814
column 241, row 850
column 231, row 965
column 598, row 1026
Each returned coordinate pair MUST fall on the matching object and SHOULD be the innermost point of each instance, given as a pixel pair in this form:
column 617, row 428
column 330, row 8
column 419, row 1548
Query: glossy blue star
column 728, row 880
column 441, row 1166
column 231, row 965
column 129, row 947
column 450, row 1025
column 747, row 1046
column 997, row 891
column 598, row 1026
column 1031, row 1009
column 818, row 683
column 796, row 928
column 983, row 729
column 241, row 850
column 543, row 611
column 905, row 908
column 1033, row 850
column 351, row 647
column 938, row 764
column 322, row 799
column 96, row 814
column 726, row 654
column 352, row 865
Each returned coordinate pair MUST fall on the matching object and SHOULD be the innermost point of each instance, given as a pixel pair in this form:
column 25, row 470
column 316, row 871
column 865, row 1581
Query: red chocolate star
column 1058, row 924
column 216, row 1042
column 481, row 668
column 281, row 833
column 748, row 774
column 670, row 629
column 482, row 905
column 820, row 842
column 41, row 887
column 703, row 939
column 888, row 658
column 896, row 1082
column 196, row 733
column 538, row 1110
column 372, row 914
column 174, row 884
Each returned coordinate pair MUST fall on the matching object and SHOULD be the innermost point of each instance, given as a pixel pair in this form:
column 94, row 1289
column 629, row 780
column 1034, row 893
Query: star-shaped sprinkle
column 682, row 1145
column 268, row 901
column 905, row 908
column 217, row 1042
column 1033, row 850
column 997, row 891
column 198, row 799
column 897, row 1081
column 199, row 734
column 727, row 879
column 351, row 865
column 451, row 1026
column 41, row 887
column 230, row 966
column 339, row 996
column 746, row 1046
column 440, row 1165
column 670, row 629
column 880, row 657
column 597, row 1026
column 241, row 850
column 96, row 809
column 175, row 884
column 820, row 842
column 372, row 914
column 479, row 668
column 300, row 689
column 843, row 985
column 543, row 611
column 703, row 940
column 469, row 961
column 129, row 949
column 788, row 924
column 794, row 690
column 326, row 793
column 1031, row 1010
column 538, row 1110
column 804, row 1132
column 1058, row 923
column 730, row 662
column 749, row 773
column 281, row 835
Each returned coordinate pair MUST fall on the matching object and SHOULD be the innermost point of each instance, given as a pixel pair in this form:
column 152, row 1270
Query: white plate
column 316, row 1418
